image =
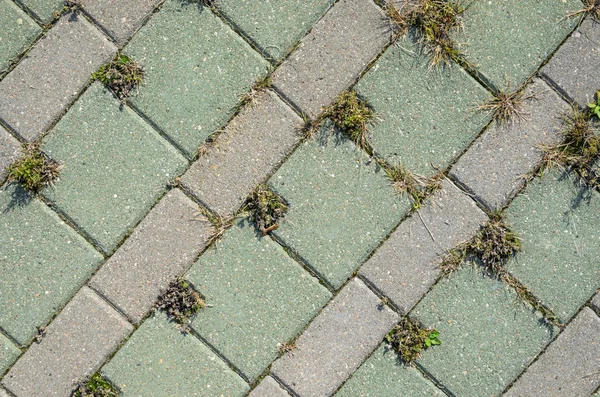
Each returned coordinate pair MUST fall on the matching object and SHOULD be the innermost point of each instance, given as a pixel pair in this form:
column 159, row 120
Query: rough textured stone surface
column 18, row 31
column 159, row 360
column 424, row 114
column 43, row 263
column 3, row 392
column 494, row 168
column 383, row 375
column 119, row 18
column 488, row 336
column 333, row 54
column 160, row 249
column 9, row 151
column 596, row 301
column 572, row 67
column 406, row 265
column 268, row 387
column 8, row 354
column 196, row 69
column 244, row 280
column 508, row 40
column 570, row 366
column 275, row 26
column 559, row 228
column 85, row 332
column 249, row 149
column 336, row 342
column 341, row 205
column 44, row 84
column 43, row 9
column 115, row 166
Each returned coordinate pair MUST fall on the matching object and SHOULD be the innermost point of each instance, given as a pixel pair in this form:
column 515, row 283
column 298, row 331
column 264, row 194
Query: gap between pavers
column 9, row 352
column 268, row 387
column 81, row 337
column 336, row 342
column 35, row 94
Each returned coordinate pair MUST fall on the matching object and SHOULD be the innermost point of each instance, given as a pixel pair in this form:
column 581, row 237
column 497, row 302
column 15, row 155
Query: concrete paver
column 268, row 387
column 10, row 150
column 18, row 31
column 44, row 10
column 8, row 353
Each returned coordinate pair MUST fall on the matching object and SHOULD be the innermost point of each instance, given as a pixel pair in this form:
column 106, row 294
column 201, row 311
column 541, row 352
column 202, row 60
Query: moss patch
column 267, row 208
column 180, row 302
column 121, row 75
column 409, row 338
column 34, row 170
column 96, row 386
column 351, row 115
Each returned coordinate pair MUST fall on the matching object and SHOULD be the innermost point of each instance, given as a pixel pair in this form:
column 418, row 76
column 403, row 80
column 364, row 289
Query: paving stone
column 8, row 354
column 424, row 114
column 50, row 78
column 18, row 31
column 494, row 168
column 115, row 166
column 333, row 54
column 160, row 249
column 83, row 335
column 43, row 263
column 572, row 67
column 275, row 26
column 159, row 360
column 249, row 149
column 341, row 205
column 196, row 69
column 268, row 387
column 488, row 336
column 10, row 149
column 43, row 9
column 244, row 280
column 119, row 18
column 336, row 342
column 559, row 229
column 383, row 375
column 570, row 366
column 3, row 393
column 406, row 265
column 508, row 40
column 596, row 301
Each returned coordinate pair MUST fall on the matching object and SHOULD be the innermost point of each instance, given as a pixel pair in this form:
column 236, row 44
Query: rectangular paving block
column 275, row 26
column 250, row 148
column 336, row 342
column 341, row 205
column 10, row 150
column 160, row 249
column 488, row 337
column 44, row 10
column 384, row 375
column 572, row 69
column 259, row 298
column 18, row 32
column 159, row 360
column 115, row 166
column 49, row 79
column 119, row 18
column 406, row 265
column 508, row 40
column 495, row 166
column 570, row 366
column 83, row 335
column 43, row 262
column 268, row 387
column 196, row 68
column 425, row 115
column 559, row 228
column 9, row 353
column 333, row 54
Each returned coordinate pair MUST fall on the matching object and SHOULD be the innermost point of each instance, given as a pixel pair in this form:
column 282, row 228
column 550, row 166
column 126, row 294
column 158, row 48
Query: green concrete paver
column 488, row 336
column 115, row 166
column 259, row 298
column 18, row 31
column 196, row 69
column 509, row 39
column 341, row 205
column 424, row 113
column 159, row 360
column 383, row 375
column 43, row 262
column 43, row 9
column 559, row 259
column 274, row 25
column 8, row 353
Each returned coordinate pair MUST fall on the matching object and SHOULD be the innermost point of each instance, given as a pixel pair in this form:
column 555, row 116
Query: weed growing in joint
column 34, row 170
column 180, row 302
column 590, row 7
column 409, row 338
column 416, row 186
column 266, row 208
column 121, row 75
column 96, row 386
column 287, row 347
column 351, row 115
column 506, row 106
column 257, row 88
column 595, row 106
column 72, row 5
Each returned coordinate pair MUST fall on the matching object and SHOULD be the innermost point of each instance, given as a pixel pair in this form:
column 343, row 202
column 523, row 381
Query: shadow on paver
column 19, row 197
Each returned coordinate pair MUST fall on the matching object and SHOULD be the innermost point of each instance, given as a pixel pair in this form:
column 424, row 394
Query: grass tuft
column 507, row 106
column 417, row 187
column 180, row 302
column 121, row 75
column 409, row 338
column 257, row 88
column 267, row 208
column 351, row 115
column 34, row 169
column 590, row 7
column 96, row 386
